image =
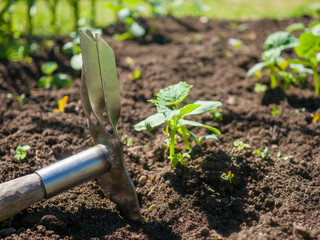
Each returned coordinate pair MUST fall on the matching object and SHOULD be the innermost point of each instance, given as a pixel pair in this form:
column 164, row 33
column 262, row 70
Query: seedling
column 134, row 29
column 21, row 152
column 263, row 154
column 53, row 80
column 308, row 49
column 275, row 111
column 151, row 206
column 174, row 118
column 273, row 47
column 258, row 87
column 227, row 177
column 236, row 43
column 61, row 104
column 238, row 146
column 127, row 141
column 217, row 114
column 22, row 98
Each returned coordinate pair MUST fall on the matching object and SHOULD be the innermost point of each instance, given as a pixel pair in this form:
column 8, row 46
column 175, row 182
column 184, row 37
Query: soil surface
column 275, row 198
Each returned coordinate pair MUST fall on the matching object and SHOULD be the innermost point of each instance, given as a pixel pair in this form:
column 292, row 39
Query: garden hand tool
column 99, row 95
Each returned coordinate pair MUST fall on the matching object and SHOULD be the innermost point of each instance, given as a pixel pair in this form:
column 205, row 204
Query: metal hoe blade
column 100, row 94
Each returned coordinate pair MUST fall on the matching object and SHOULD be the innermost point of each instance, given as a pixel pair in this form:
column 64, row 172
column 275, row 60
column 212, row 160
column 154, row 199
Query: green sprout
column 263, row 154
column 175, row 118
column 217, row 114
column 308, row 49
column 21, row 152
column 275, row 111
column 238, row 146
column 227, row 177
column 273, row 46
column 53, row 80
column 22, row 98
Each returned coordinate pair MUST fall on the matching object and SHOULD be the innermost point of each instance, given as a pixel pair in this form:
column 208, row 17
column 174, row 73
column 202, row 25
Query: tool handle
column 20, row 193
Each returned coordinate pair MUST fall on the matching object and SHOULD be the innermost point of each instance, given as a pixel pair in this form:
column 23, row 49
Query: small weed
column 61, row 104
column 227, row 177
column 21, row 152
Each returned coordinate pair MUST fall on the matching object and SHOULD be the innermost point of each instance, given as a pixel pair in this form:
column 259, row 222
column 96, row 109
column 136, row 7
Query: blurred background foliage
column 21, row 21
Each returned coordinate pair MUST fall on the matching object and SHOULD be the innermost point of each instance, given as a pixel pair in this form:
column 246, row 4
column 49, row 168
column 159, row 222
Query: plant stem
column 185, row 138
column 172, row 141
column 273, row 78
column 316, row 80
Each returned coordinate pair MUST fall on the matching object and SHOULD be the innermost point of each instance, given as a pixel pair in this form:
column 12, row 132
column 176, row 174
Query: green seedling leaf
column 280, row 40
column 196, row 124
column 258, row 87
column 315, row 29
column 136, row 29
column 76, row 62
column 173, row 94
column 151, row 206
column 173, row 117
column 45, row 82
column 49, row 67
column 227, row 177
column 137, row 75
column 179, row 158
column 205, row 106
column 21, row 152
column 256, row 68
column 210, row 137
column 150, row 122
column 275, row 111
column 295, row 27
column 309, row 45
column 300, row 68
column 22, row 98
column 61, row 80
column 188, row 109
column 236, row 43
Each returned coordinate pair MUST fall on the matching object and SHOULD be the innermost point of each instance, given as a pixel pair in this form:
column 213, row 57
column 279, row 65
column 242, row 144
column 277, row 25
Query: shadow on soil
column 220, row 200
column 90, row 223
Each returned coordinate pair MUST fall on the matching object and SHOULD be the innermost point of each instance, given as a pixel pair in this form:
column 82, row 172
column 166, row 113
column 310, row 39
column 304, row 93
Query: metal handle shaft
column 75, row 170
column 20, row 193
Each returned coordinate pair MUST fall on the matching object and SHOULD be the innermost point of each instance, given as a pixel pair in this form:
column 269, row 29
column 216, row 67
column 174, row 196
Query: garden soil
column 274, row 198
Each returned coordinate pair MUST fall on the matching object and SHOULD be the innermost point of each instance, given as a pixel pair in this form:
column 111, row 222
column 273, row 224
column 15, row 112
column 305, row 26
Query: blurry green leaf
column 150, row 122
column 280, row 40
column 295, row 27
column 61, row 80
column 257, row 67
column 76, row 62
column 205, row 106
column 137, row 75
column 258, row 87
column 309, row 45
column 49, row 67
column 173, row 94
column 196, row 124
column 136, row 30
column 45, row 82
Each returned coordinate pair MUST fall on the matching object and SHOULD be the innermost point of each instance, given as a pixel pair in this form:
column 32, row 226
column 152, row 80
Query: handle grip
column 20, row 193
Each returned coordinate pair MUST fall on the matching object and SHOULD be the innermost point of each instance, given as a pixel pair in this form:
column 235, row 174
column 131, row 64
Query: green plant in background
column 217, row 114
column 238, row 147
column 265, row 156
column 308, row 50
column 21, row 152
column 275, row 111
column 53, row 80
column 175, row 118
column 273, row 46
column 134, row 29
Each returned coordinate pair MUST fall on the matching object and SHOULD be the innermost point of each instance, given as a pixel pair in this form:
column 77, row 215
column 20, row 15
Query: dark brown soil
column 273, row 199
